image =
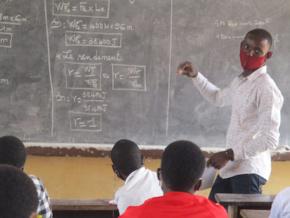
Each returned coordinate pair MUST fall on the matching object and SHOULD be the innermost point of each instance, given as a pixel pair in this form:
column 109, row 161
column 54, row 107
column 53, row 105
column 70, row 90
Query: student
column 281, row 205
column 140, row 183
column 256, row 103
column 18, row 196
column 12, row 152
column 182, row 166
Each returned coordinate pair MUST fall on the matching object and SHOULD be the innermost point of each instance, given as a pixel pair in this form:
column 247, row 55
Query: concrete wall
column 87, row 177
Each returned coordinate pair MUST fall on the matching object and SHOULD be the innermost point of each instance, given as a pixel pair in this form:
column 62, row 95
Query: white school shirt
column 256, row 103
column 140, row 185
column 281, row 205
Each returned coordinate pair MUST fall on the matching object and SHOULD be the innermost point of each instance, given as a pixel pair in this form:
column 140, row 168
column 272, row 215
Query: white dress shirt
column 140, row 185
column 256, row 102
column 281, row 205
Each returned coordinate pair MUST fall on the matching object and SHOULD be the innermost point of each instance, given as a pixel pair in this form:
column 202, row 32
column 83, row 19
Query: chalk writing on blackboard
column 88, row 8
column 85, row 122
column 95, row 71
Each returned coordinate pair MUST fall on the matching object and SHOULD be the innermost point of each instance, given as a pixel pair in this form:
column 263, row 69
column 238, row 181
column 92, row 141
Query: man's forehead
column 257, row 40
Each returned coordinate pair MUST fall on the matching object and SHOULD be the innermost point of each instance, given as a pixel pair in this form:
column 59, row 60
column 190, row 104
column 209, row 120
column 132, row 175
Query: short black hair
column 18, row 195
column 263, row 34
column 126, row 156
column 12, row 151
column 182, row 165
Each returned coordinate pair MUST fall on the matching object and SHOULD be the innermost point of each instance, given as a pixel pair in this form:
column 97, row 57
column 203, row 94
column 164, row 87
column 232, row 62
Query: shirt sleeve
column 280, row 206
column 216, row 96
column 44, row 206
column 269, row 104
column 275, row 208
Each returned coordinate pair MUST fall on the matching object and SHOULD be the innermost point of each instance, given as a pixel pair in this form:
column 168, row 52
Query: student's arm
column 269, row 104
column 216, row 96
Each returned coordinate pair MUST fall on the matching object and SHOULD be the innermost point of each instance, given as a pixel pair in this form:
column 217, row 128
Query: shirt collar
column 131, row 175
column 261, row 71
column 176, row 193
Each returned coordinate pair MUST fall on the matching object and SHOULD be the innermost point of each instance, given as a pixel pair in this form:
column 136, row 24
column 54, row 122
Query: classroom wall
column 85, row 177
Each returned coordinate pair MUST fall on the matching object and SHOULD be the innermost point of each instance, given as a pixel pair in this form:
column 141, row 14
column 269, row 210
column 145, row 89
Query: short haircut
column 12, row 151
column 126, row 156
column 263, row 34
column 18, row 195
column 182, row 165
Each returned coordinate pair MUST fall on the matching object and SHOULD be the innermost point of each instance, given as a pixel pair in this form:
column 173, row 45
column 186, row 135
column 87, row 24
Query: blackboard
column 96, row 71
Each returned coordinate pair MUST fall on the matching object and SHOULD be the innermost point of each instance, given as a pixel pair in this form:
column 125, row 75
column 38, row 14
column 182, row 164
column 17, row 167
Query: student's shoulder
column 215, row 209
column 40, row 188
column 284, row 194
column 36, row 180
column 136, row 211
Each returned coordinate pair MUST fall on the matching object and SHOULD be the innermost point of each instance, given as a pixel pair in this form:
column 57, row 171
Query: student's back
column 177, row 205
column 140, row 183
column 182, row 165
column 13, row 152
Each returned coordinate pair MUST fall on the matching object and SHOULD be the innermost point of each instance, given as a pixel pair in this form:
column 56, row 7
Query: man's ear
column 197, row 185
column 33, row 215
column 142, row 159
column 116, row 171
column 269, row 55
column 163, row 185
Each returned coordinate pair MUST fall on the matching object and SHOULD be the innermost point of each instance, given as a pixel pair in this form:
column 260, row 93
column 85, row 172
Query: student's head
column 12, row 151
column 126, row 157
column 255, row 48
column 182, row 166
column 18, row 195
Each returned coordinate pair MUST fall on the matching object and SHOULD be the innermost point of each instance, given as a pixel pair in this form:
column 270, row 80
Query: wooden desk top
column 82, row 204
column 255, row 213
column 245, row 199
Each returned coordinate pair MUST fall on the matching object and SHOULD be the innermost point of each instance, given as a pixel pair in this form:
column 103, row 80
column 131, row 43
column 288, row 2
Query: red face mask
column 251, row 62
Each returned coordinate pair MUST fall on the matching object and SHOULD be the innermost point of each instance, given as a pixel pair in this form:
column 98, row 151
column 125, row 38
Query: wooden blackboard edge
column 103, row 151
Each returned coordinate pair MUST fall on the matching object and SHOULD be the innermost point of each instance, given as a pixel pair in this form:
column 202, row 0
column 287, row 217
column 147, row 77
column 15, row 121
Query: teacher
column 256, row 102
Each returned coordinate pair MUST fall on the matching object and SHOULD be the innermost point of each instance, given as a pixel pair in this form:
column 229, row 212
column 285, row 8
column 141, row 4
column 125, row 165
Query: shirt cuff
column 199, row 77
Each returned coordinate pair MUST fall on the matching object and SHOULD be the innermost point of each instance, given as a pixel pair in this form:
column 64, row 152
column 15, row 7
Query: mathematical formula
column 91, row 50
column 89, row 8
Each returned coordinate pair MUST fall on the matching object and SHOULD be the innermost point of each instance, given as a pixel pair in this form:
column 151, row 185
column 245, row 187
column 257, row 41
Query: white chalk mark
column 93, row 100
column 49, row 69
column 169, row 70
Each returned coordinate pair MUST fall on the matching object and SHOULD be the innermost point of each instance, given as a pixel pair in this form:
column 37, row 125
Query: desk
column 236, row 202
column 80, row 208
column 255, row 213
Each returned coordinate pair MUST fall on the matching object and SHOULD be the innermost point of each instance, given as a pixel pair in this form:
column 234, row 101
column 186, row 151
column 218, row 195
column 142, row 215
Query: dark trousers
column 240, row 184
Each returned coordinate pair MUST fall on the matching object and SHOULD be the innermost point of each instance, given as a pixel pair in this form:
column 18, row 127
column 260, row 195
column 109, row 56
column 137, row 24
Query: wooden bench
column 236, row 202
column 245, row 213
column 80, row 208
